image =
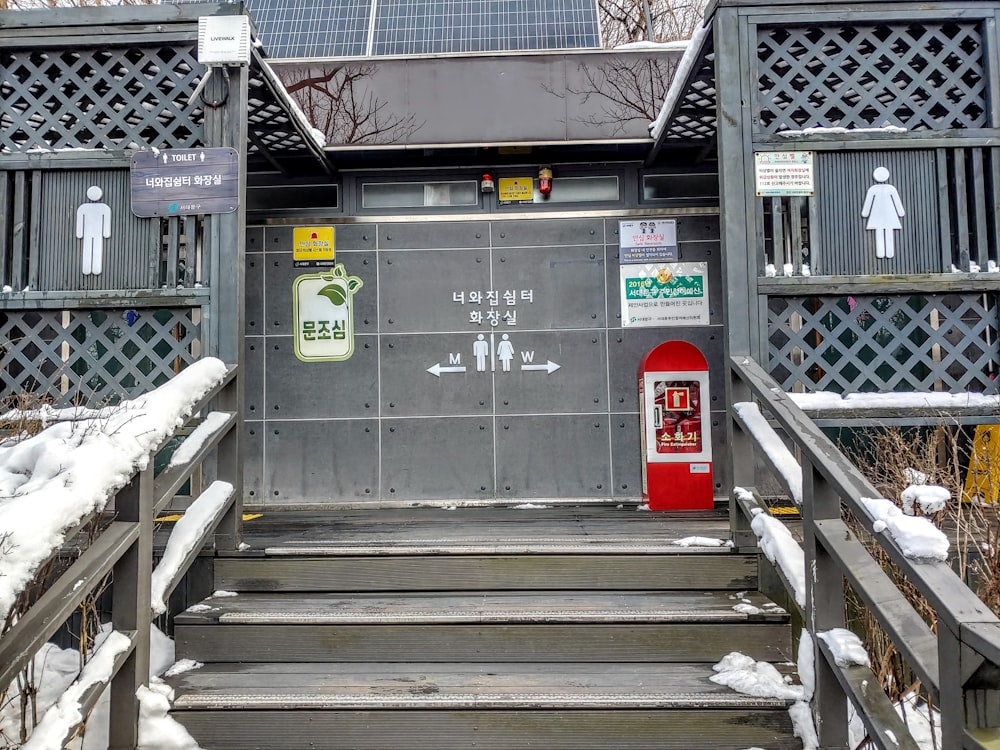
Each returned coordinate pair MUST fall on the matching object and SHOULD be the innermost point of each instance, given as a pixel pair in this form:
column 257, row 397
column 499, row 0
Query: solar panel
column 312, row 28
column 413, row 27
column 345, row 28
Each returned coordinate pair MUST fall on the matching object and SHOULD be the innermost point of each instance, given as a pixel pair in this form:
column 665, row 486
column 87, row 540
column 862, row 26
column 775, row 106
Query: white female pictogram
column 93, row 226
column 505, row 352
column 883, row 209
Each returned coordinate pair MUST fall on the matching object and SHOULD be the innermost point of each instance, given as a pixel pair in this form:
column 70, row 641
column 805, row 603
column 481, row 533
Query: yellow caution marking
column 178, row 516
column 783, row 511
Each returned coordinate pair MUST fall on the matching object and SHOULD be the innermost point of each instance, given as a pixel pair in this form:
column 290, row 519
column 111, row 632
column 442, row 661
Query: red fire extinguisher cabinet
column 675, row 429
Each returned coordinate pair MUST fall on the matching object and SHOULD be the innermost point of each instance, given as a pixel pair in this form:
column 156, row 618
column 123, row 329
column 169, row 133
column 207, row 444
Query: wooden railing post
column 131, row 609
column 229, row 468
column 824, row 605
column 741, row 457
column 969, row 682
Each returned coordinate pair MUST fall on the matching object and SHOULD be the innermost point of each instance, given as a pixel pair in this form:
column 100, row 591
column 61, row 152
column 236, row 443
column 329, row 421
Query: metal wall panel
column 563, row 282
column 130, row 255
column 321, row 390
column 321, row 460
column 437, row 459
column 847, row 247
column 415, row 415
column 408, row 389
column 553, row 456
column 417, row 288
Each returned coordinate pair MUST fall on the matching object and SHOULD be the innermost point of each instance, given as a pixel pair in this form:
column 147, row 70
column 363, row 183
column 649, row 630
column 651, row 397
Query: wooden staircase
column 578, row 628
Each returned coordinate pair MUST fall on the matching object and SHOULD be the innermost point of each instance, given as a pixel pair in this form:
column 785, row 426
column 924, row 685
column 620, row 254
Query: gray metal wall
column 380, row 428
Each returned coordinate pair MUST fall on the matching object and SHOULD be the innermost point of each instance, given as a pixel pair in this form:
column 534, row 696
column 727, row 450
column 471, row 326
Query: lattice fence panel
column 694, row 115
column 885, row 343
column 99, row 98
column 919, row 76
column 92, row 357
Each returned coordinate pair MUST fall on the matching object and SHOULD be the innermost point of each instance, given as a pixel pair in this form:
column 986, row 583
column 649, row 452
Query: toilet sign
column 323, row 315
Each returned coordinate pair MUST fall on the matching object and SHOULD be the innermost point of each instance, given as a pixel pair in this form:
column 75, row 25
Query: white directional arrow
column 436, row 369
column 549, row 367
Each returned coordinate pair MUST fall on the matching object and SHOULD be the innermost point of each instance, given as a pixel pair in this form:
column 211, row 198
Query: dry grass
column 891, row 458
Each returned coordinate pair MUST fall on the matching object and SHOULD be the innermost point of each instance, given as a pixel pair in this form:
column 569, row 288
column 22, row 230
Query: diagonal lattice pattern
column 99, row 98
column 92, row 357
column 919, row 76
column 693, row 118
column 885, row 343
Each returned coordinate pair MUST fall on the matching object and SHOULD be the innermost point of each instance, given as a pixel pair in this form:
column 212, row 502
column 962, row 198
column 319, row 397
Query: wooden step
column 475, row 572
column 487, row 626
column 461, row 706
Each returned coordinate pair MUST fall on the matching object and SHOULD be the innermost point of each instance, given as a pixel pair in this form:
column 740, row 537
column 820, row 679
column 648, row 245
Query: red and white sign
column 675, row 432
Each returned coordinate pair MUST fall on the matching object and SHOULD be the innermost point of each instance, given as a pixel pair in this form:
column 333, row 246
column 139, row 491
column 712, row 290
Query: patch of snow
column 187, row 533
column 845, row 646
column 529, row 506
column 675, row 46
column 770, row 270
column 924, row 726
column 918, row 538
column 803, row 726
column 702, row 541
column 928, row 497
column 200, row 608
column 788, row 269
column 181, row 666
column 74, row 468
column 840, row 131
column 806, row 665
column 806, row 271
column 829, row 400
column 222, row 594
column 63, row 715
column 749, row 677
column 780, row 547
column 56, row 669
column 157, row 730
column 193, row 442
column 773, row 446
column 748, row 609
column 913, row 476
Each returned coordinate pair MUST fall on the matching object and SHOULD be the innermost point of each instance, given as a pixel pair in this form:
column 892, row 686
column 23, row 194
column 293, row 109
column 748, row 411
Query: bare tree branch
column 338, row 102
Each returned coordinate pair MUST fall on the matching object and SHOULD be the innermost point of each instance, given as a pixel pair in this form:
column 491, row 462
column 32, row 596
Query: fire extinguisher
column 545, row 181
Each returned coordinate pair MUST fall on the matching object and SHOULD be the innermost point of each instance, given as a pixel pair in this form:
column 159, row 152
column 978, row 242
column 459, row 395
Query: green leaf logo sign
column 335, row 293
column 323, row 315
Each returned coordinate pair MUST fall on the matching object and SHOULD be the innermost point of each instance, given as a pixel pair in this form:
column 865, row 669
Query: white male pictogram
column 93, row 226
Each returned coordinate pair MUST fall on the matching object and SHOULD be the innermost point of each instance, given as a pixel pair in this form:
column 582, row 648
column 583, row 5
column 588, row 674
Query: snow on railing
column 52, row 481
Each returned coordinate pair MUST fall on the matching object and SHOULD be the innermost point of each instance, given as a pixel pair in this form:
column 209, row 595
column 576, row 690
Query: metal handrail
column 959, row 664
column 125, row 549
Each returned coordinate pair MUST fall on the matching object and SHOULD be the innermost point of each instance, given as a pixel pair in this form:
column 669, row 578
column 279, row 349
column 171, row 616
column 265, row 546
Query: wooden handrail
column 958, row 664
column 125, row 547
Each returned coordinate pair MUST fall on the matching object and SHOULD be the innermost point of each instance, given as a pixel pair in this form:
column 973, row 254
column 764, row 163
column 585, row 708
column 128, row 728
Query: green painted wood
column 496, row 730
